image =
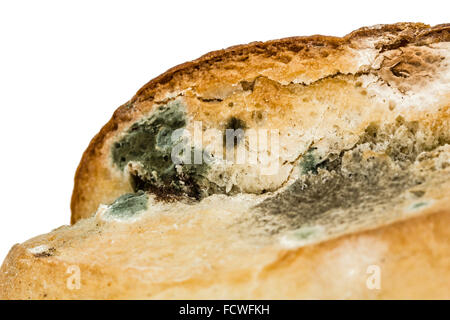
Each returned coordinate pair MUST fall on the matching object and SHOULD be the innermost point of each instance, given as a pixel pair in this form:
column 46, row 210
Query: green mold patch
column 128, row 205
column 147, row 149
column 417, row 206
column 310, row 162
column 302, row 236
column 148, row 141
column 305, row 233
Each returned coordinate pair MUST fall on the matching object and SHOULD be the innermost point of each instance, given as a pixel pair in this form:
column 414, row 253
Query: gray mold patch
column 360, row 186
column 312, row 200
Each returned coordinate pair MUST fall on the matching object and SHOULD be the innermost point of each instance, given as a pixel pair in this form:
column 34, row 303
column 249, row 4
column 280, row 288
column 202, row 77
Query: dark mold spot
column 235, row 124
column 190, row 182
column 234, row 132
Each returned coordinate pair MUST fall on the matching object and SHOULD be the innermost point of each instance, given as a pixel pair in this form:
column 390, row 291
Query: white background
column 65, row 67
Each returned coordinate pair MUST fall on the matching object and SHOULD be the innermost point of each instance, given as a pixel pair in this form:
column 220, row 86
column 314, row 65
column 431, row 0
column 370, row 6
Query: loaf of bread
column 306, row 167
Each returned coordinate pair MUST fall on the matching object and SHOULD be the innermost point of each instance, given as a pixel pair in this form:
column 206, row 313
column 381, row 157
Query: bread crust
column 237, row 246
column 94, row 182
column 411, row 258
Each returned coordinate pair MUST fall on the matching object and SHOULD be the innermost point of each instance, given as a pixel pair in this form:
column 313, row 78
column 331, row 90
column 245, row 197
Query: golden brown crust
column 170, row 252
column 90, row 171
column 411, row 257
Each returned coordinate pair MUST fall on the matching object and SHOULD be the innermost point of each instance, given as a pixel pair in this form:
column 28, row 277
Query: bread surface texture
column 196, row 254
column 348, row 200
